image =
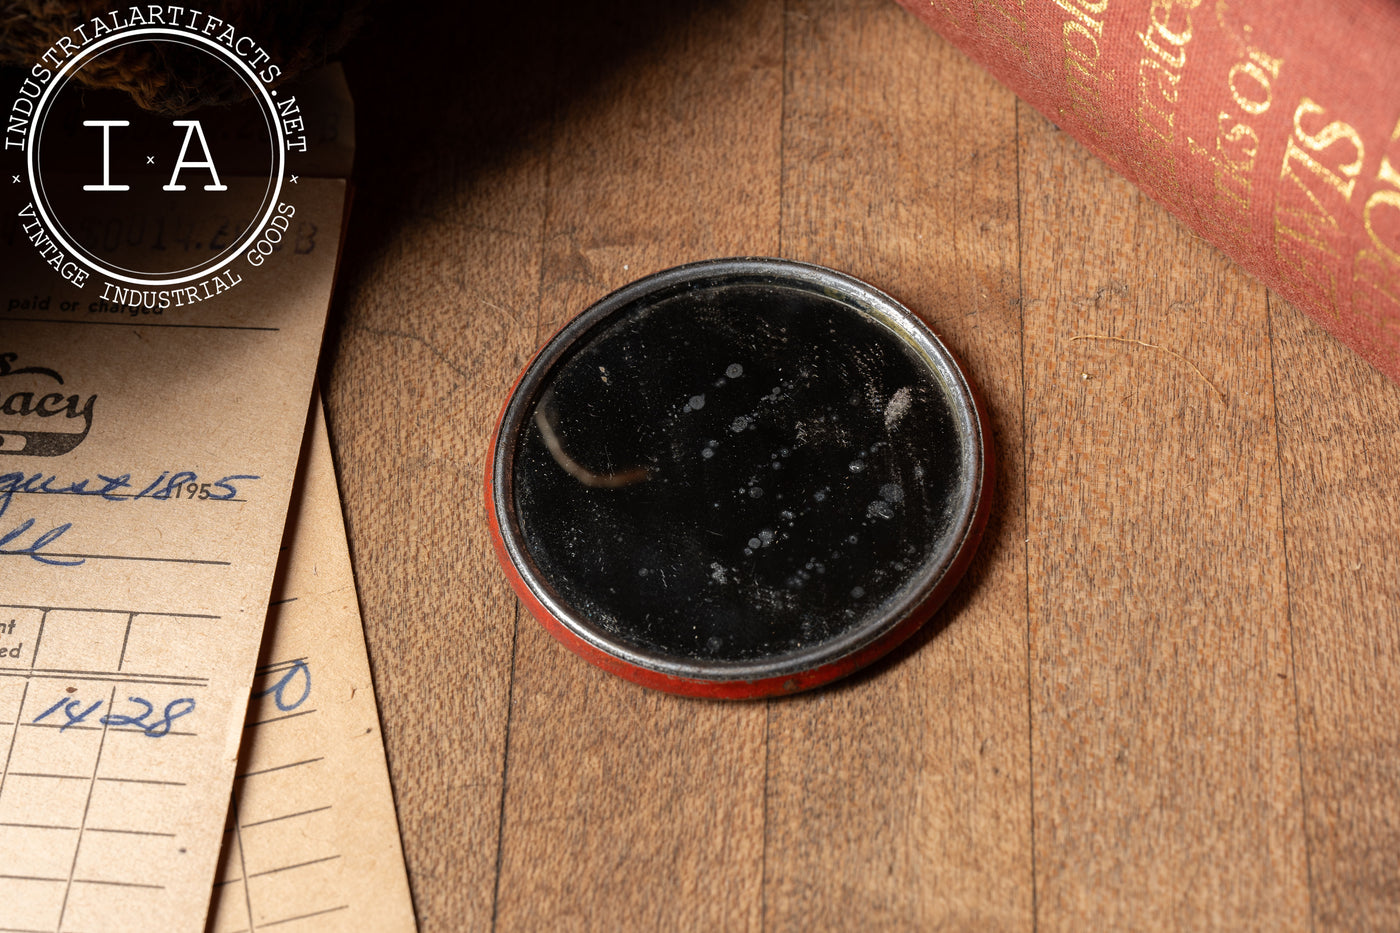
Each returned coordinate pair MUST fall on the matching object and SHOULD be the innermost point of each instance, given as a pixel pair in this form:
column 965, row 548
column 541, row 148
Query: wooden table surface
column 1164, row 697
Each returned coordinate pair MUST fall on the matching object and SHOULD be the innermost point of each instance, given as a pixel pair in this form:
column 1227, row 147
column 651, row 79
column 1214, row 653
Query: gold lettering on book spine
column 1385, row 202
column 1376, row 270
column 1160, row 69
column 1004, row 20
column 992, row 20
column 1320, row 163
column 1231, row 158
column 1080, row 36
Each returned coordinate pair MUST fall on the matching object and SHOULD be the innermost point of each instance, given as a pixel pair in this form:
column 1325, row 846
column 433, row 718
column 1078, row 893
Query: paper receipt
column 146, row 465
column 312, row 843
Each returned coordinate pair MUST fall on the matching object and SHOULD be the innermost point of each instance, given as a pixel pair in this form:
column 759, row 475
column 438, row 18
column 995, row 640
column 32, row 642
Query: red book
column 1272, row 129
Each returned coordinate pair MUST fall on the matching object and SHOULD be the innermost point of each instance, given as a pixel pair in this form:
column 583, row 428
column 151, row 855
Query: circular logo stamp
column 156, row 210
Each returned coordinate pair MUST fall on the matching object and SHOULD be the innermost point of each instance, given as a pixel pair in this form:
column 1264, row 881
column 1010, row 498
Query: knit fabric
column 173, row 79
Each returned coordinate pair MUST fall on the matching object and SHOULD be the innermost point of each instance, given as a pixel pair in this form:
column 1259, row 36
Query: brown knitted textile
column 297, row 34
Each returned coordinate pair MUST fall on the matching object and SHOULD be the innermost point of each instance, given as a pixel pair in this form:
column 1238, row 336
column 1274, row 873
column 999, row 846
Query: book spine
column 1271, row 129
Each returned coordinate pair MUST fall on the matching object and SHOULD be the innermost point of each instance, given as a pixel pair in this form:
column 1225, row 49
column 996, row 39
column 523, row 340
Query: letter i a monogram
column 106, row 155
column 192, row 129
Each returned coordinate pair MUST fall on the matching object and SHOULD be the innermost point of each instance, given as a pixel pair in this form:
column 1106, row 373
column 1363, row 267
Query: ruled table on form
column 312, row 841
column 138, row 542
column 93, row 759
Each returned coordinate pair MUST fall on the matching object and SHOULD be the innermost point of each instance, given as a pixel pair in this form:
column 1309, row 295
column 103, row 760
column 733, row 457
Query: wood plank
column 1165, row 712
column 902, row 800
column 1339, row 444
column 628, row 809
column 1167, row 791
column 440, row 287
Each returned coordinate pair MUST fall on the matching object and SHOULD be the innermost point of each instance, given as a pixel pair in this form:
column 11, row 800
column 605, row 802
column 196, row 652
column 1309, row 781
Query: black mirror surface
column 740, row 471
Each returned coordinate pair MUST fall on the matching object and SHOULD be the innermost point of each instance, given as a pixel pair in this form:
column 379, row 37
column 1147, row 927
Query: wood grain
column 1339, row 432
column 902, row 801
column 1167, row 791
column 625, row 808
column 1165, row 698
column 440, row 283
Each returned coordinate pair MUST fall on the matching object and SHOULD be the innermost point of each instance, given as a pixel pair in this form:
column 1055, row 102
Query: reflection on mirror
column 739, row 472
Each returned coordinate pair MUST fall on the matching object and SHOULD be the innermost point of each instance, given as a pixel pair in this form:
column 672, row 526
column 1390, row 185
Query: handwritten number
column 68, row 707
column 110, row 488
column 74, row 713
column 285, row 687
column 174, row 485
column 227, row 484
column 52, row 709
column 137, row 721
column 162, row 726
column 72, row 719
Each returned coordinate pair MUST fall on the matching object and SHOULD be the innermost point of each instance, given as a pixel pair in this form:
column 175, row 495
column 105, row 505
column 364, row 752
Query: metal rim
column 799, row 669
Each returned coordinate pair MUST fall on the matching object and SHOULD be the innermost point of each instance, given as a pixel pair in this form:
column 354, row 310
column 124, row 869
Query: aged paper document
column 146, row 464
column 312, row 843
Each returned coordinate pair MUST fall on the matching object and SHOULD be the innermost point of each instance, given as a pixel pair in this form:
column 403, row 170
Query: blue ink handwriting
column 119, row 487
column 71, row 709
column 74, row 713
column 35, row 547
column 297, row 676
